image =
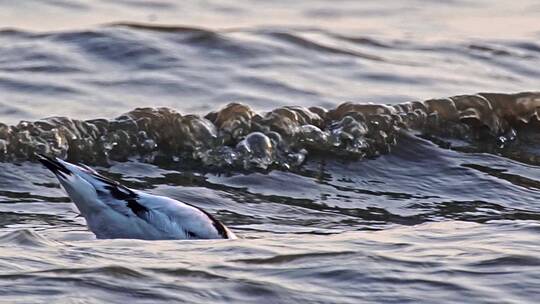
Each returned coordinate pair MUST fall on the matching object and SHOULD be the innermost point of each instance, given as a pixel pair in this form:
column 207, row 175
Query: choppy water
column 430, row 202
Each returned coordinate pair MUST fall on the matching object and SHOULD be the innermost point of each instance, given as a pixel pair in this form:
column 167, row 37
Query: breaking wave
column 238, row 137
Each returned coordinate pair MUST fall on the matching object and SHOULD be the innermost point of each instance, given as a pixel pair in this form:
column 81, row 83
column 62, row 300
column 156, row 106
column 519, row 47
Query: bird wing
column 172, row 217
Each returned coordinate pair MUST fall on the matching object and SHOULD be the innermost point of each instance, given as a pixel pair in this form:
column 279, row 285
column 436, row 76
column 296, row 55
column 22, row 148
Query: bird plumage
column 112, row 210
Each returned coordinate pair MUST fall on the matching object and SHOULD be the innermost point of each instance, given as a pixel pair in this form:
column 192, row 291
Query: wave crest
column 237, row 136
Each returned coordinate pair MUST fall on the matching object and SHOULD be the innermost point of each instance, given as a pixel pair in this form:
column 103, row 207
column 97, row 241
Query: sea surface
column 419, row 217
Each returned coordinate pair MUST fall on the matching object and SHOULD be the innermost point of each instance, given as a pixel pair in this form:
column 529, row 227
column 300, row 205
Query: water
column 435, row 209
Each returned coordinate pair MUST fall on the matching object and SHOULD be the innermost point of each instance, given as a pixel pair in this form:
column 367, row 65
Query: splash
column 238, row 137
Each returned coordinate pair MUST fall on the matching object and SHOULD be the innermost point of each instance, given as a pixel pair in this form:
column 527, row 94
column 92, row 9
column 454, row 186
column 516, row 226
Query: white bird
column 113, row 211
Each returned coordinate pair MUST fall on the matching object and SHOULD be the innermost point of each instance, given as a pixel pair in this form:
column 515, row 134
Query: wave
column 236, row 136
column 25, row 237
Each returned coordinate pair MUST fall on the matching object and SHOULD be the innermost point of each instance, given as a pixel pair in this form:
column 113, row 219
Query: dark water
column 440, row 208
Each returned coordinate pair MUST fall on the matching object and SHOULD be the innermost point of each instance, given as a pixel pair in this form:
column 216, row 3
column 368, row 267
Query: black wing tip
column 52, row 164
column 42, row 157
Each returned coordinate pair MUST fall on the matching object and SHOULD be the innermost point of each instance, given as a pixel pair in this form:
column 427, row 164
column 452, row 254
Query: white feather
column 115, row 211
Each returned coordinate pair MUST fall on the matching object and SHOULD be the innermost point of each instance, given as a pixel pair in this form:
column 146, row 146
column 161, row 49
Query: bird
column 114, row 211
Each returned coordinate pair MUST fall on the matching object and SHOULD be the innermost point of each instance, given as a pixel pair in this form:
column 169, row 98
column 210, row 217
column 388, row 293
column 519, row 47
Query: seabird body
column 112, row 210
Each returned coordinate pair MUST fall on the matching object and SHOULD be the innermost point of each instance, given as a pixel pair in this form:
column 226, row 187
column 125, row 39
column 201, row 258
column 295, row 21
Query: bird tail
column 54, row 165
column 72, row 178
